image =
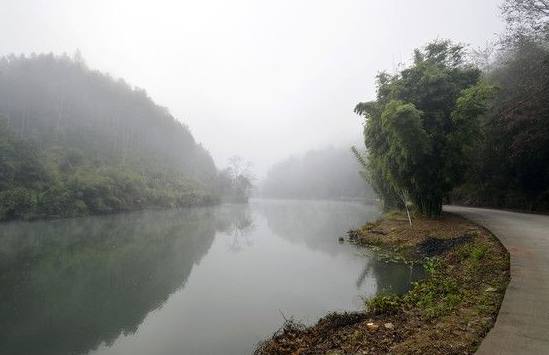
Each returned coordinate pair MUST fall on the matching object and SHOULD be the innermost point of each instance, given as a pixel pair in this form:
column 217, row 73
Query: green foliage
column 384, row 304
column 471, row 257
column 442, row 129
column 58, row 201
column 16, row 203
column 417, row 132
column 431, row 265
column 478, row 252
column 75, row 142
column 372, row 172
column 438, row 295
column 508, row 163
column 407, row 141
column 19, row 161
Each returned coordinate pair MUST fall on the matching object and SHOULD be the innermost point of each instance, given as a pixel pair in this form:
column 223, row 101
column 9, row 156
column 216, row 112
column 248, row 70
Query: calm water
column 194, row 281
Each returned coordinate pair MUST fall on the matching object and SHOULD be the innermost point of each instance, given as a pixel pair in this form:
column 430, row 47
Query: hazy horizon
column 260, row 80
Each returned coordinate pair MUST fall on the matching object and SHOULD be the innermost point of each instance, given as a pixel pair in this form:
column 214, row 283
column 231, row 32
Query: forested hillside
column 75, row 141
column 329, row 173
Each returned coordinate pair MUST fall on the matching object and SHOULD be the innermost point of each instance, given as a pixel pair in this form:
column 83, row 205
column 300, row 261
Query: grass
column 384, row 304
column 436, row 296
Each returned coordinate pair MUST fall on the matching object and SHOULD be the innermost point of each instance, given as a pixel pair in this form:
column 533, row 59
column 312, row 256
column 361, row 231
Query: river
column 212, row 280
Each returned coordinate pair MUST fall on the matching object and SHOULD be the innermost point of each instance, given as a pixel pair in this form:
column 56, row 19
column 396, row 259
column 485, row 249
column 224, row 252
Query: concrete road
column 522, row 326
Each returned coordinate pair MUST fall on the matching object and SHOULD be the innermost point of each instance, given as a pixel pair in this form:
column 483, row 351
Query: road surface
column 522, row 326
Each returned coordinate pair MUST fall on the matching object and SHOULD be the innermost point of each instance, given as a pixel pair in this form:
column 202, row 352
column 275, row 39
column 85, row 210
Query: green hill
column 74, row 141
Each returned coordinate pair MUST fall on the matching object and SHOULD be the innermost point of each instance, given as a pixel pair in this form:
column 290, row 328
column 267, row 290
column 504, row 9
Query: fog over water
column 260, row 79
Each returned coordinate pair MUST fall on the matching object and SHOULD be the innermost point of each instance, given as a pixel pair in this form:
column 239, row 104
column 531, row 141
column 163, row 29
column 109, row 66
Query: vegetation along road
column 523, row 323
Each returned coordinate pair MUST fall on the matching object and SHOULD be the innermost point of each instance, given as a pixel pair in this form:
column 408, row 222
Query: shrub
column 16, row 203
column 384, row 304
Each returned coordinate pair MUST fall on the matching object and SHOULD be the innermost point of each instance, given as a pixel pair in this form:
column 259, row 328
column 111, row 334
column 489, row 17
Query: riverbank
column 450, row 311
column 78, row 208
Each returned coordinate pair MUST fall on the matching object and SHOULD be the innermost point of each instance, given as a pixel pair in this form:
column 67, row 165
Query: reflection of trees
column 236, row 221
column 390, row 277
column 66, row 286
column 318, row 224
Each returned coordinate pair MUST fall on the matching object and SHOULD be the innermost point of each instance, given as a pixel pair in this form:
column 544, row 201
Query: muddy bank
column 449, row 312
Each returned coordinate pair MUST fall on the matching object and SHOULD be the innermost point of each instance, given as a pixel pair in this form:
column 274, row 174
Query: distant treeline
column 461, row 127
column 329, row 173
column 75, row 141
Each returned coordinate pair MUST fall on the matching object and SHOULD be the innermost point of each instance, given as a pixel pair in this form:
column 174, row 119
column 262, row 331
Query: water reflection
column 317, row 224
column 69, row 285
column 389, row 276
column 191, row 281
column 236, row 221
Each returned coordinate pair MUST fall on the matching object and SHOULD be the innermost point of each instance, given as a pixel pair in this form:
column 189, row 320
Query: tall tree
column 416, row 131
column 236, row 180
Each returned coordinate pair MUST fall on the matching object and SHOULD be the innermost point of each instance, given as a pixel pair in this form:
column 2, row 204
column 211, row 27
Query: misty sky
column 262, row 79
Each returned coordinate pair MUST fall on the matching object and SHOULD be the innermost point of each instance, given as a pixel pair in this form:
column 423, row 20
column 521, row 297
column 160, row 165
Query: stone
column 389, row 326
column 372, row 327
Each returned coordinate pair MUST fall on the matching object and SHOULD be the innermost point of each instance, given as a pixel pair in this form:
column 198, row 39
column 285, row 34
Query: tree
column 526, row 20
column 509, row 167
column 236, row 180
column 416, row 132
column 508, row 164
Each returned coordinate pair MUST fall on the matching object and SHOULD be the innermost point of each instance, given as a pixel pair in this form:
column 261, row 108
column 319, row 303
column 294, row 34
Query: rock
column 372, row 327
column 389, row 326
column 490, row 289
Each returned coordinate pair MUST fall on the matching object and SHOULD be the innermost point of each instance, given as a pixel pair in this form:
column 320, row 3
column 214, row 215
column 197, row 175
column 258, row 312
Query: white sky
column 261, row 79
